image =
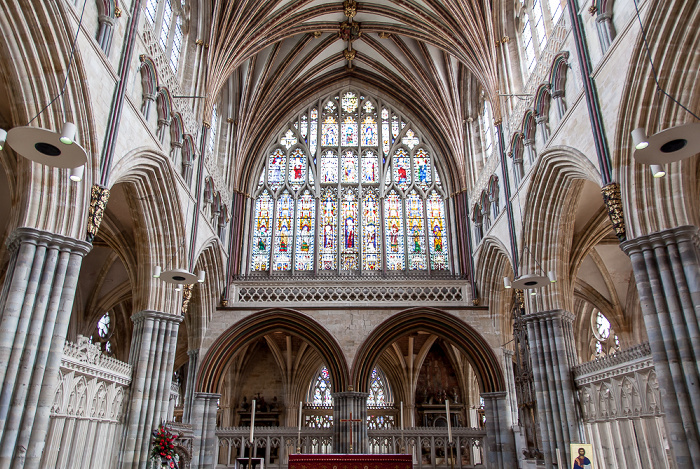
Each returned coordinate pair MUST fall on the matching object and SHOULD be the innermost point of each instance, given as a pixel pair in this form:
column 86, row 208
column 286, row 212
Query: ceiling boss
column 349, row 31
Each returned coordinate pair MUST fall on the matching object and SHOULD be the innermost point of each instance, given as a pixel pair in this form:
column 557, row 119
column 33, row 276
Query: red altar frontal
column 350, row 461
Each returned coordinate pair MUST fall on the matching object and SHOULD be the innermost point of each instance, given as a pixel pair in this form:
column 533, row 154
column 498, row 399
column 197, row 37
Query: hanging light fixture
column 48, row 147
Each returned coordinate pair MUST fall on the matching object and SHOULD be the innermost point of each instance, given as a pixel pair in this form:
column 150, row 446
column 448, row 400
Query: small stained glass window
column 321, row 388
column 104, row 326
column 602, row 325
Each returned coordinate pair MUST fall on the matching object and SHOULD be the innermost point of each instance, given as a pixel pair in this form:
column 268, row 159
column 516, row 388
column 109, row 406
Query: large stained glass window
column 349, row 185
column 321, row 389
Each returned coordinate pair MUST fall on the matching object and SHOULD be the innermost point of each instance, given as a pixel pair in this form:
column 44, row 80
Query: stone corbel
column 98, row 202
column 613, row 202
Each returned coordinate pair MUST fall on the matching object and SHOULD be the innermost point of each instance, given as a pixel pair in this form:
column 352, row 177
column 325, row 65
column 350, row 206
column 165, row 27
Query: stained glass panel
column 421, row 167
column 306, row 218
column 304, row 127
column 437, row 233
column 350, row 167
column 276, row 167
column 349, row 102
column 410, row 139
column 285, row 232
column 313, row 131
column 262, row 233
column 370, row 167
column 394, row 128
column 371, row 232
column 377, row 395
column 321, row 388
column 415, row 232
column 402, row 168
column 297, row 168
column 369, row 132
column 329, row 167
column 349, row 132
column 329, row 138
column 386, row 143
column 348, row 218
column 329, row 222
column 393, row 226
column 288, row 139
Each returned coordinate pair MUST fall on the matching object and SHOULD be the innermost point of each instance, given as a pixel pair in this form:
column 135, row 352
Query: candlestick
column 299, row 431
column 401, row 415
column 252, row 422
column 449, row 424
column 299, row 415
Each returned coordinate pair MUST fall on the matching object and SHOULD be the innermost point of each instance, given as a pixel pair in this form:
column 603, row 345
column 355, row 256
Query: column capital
column 685, row 233
column 494, row 395
column 150, row 314
column 25, row 234
column 552, row 314
column 206, row 395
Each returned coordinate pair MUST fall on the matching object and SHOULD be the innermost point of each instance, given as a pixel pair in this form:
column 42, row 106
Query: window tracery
column 604, row 337
column 166, row 18
column 362, row 225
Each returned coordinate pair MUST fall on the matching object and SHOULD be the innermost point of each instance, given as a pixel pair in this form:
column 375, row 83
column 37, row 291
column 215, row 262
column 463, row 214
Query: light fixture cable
column 70, row 62
column 653, row 68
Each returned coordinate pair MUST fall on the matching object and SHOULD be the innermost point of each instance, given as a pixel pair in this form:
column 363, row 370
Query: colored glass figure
column 348, row 217
column 393, row 226
column 329, row 138
column 276, row 167
column 386, row 142
column 350, row 164
column 349, row 102
column 348, row 132
column 304, row 127
column 313, row 130
column 402, row 168
column 329, row 167
column 306, row 223
column 322, row 388
column 377, row 393
column 262, row 233
column 328, row 229
column 370, row 167
column 410, row 139
column 289, row 139
column 297, row 168
column 421, row 168
column 394, row 128
column 369, row 132
column 285, row 232
column 368, row 106
column 371, row 232
column 415, row 232
column 438, row 238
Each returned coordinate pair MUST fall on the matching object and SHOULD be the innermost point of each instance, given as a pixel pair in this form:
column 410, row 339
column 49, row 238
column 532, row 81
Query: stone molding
column 86, row 358
column 686, row 233
column 151, row 314
column 632, row 358
column 25, row 234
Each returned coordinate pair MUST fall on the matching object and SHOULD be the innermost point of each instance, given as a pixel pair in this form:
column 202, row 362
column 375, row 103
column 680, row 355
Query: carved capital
column 186, row 297
column 613, row 201
column 98, row 202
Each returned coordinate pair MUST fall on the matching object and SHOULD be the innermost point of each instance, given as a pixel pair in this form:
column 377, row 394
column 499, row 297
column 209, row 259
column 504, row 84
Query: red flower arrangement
column 163, row 447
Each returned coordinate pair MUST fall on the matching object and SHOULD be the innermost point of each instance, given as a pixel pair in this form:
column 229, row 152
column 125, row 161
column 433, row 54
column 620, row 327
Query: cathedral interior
column 461, row 230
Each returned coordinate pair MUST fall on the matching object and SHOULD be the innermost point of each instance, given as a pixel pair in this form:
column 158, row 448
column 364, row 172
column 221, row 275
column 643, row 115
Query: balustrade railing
column 429, row 445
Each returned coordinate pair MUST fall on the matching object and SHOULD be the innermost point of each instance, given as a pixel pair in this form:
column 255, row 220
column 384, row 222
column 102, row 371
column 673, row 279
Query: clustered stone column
column 666, row 268
column 35, row 306
column 500, row 443
column 152, row 357
column 205, row 444
column 345, row 403
column 189, row 385
column 551, row 338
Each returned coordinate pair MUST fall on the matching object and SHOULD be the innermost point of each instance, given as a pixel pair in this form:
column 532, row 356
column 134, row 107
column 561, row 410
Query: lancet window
column 349, row 185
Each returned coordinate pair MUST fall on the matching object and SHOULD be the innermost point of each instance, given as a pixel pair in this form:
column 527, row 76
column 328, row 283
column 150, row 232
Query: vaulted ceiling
column 428, row 56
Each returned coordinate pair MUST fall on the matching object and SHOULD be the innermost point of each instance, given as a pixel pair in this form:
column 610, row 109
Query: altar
column 350, row 461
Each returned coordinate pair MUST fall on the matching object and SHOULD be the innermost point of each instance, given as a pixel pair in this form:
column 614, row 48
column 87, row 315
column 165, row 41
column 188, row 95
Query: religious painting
column 371, row 232
column 421, row 168
column 402, row 168
column 415, row 232
column 437, row 233
column 285, row 232
column 262, row 232
column 581, row 456
column 370, row 167
column 297, row 169
column 328, row 229
column 306, row 223
column 437, row 381
column 369, row 132
column 393, row 220
column 349, row 171
column 348, row 132
column 329, row 167
column 276, row 167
